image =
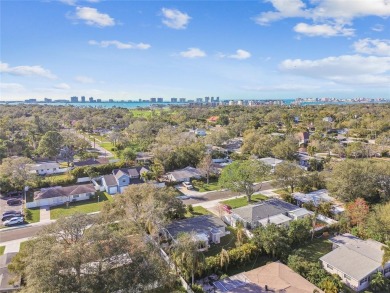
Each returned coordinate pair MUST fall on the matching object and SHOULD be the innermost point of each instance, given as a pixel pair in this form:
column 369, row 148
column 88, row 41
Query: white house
column 46, row 168
column 270, row 211
column 273, row 162
column 121, row 178
column 200, row 132
column 316, row 197
column 59, row 195
column 355, row 260
column 207, row 229
column 185, row 174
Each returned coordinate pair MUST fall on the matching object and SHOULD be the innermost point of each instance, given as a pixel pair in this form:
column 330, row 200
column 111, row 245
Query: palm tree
column 386, row 253
column 240, row 234
column 187, row 255
column 224, row 259
column 378, row 281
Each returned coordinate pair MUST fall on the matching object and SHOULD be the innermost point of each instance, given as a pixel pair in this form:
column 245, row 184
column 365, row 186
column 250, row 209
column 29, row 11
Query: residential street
column 103, row 152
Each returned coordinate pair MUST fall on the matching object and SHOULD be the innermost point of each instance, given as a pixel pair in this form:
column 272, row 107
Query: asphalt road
column 223, row 194
column 19, row 233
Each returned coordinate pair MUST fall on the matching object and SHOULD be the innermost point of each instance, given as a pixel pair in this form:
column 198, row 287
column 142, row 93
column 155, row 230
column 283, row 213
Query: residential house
column 316, row 197
column 91, row 162
column 328, row 119
column 45, row 168
column 270, row 211
column 121, row 178
column 213, row 119
column 58, row 195
column 273, row 162
column 144, row 158
column 273, row 277
column 185, row 174
column 207, row 229
column 355, row 260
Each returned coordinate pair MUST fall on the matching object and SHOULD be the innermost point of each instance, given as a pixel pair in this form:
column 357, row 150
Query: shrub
column 197, row 288
column 190, row 208
column 99, row 169
column 27, row 214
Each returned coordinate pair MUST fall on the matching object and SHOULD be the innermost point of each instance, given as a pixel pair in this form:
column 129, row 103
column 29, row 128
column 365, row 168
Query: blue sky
column 231, row 49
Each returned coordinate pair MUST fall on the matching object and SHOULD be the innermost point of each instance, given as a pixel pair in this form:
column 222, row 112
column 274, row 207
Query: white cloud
column 69, row 2
column 240, row 55
column 93, row 17
column 174, row 18
column 373, row 46
column 10, row 86
column 120, row 45
column 378, row 28
column 346, row 69
column 325, row 13
column 26, row 71
column 84, row 79
column 62, row 86
column 323, row 30
column 193, row 53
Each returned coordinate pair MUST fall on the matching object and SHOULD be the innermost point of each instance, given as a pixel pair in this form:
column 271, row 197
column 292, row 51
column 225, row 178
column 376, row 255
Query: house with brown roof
column 58, row 195
column 273, row 277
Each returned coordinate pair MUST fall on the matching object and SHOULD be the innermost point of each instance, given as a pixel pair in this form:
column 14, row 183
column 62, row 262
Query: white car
column 188, row 185
column 14, row 221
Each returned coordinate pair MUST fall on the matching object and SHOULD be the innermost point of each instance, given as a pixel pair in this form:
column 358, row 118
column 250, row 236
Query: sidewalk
column 44, row 214
column 13, row 246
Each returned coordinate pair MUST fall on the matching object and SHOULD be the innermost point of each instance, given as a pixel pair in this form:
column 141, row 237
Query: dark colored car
column 14, row 202
column 11, row 212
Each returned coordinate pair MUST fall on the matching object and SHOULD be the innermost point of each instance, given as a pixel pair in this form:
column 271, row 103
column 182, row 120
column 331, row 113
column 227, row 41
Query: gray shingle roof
column 196, row 224
column 269, row 208
column 110, row 180
column 354, row 256
column 64, row 191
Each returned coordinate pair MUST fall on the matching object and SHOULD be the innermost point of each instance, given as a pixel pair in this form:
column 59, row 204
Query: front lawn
column 85, row 206
column 198, row 211
column 32, row 215
column 242, row 201
column 282, row 192
column 313, row 250
column 2, row 248
column 201, row 186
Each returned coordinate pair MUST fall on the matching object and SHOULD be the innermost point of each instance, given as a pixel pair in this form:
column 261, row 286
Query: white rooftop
column 271, row 161
column 321, row 195
column 277, row 220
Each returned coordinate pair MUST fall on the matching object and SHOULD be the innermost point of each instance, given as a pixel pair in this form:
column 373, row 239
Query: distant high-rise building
column 206, row 99
column 173, row 100
column 199, row 100
column 74, row 99
column 110, row 100
column 231, row 103
column 160, row 100
column 47, row 100
column 212, row 99
column 82, row 99
column 99, row 100
column 91, row 100
column 31, row 100
column 182, row 100
column 153, row 100
column 217, row 99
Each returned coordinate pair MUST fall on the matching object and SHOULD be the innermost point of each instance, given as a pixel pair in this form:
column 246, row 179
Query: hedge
column 55, row 181
column 99, row 169
column 237, row 256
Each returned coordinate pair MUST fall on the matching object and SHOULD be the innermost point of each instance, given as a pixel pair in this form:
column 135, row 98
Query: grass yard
column 35, row 215
column 86, row 206
column 227, row 242
column 106, row 145
column 242, row 201
column 2, row 248
column 312, row 251
column 282, row 192
column 201, row 186
column 198, row 211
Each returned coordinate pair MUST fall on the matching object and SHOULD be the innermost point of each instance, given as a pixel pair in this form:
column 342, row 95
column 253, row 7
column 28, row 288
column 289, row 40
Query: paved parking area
column 5, row 207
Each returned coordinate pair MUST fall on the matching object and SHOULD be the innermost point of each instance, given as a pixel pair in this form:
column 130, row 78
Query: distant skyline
column 125, row 50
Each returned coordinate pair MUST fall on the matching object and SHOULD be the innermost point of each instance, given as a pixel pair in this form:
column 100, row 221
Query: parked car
column 226, row 208
column 14, row 202
column 188, row 185
column 10, row 212
column 9, row 216
column 14, row 221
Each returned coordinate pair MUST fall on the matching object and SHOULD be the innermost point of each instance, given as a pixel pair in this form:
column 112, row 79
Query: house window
column 76, row 196
column 387, row 270
column 347, row 277
column 329, row 266
column 124, row 180
column 363, row 281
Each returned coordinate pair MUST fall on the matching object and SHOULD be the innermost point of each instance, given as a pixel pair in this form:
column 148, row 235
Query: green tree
column 386, row 253
column 288, row 175
column 272, row 239
column 206, row 166
column 379, row 283
column 187, row 255
column 286, row 150
column 299, row 230
column 50, row 144
column 240, row 176
column 224, row 259
column 128, row 154
column 16, row 173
